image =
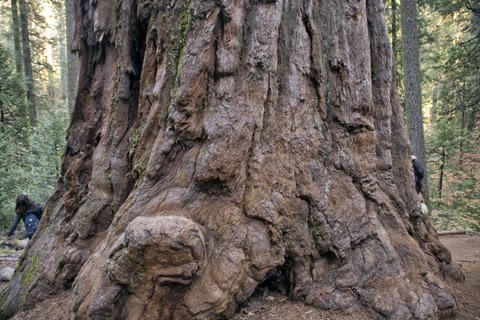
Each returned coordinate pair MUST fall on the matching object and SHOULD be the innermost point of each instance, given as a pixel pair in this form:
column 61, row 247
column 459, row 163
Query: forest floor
column 267, row 305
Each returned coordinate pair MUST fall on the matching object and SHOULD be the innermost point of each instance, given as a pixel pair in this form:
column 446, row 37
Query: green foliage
column 451, row 70
column 5, row 23
column 392, row 17
column 451, row 81
column 13, row 133
column 450, row 64
column 454, row 159
column 30, row 157
column 46, row 148
column 31, row 165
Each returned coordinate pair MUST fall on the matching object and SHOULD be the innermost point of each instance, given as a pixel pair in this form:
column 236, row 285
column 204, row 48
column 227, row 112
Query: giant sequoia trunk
column 213, row 142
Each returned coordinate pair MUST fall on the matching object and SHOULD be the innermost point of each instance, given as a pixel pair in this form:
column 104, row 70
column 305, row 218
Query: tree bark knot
column 160, row 250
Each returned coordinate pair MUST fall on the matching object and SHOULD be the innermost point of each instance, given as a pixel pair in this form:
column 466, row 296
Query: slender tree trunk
column 2, row 113
column 412, row 79
column 51, row 89
column 214, row 142
column 63, row 54
column 72, row 59
column 27, row 64
column 462, row 133
column 394, row 24
column 440, row 180
column 394, row 29
column 433, row 114
column 16, row 37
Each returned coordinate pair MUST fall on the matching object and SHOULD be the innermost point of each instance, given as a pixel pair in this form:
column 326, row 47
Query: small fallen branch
column 451, row 232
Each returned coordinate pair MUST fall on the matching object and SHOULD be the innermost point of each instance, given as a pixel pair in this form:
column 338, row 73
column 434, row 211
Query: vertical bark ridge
column 236, row 137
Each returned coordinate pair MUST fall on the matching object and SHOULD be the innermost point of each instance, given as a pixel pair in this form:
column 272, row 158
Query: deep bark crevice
column 217, row 146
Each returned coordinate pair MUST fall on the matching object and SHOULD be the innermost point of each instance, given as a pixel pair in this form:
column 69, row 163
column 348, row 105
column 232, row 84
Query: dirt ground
column 465, row 250
column 266, row 305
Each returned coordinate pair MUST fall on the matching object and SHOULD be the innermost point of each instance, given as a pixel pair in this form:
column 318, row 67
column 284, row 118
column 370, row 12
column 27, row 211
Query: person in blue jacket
column 30, row 212
column 419, row 173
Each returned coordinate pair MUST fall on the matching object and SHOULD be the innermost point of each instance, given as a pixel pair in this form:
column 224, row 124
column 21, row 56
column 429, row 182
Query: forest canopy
column 30, row 156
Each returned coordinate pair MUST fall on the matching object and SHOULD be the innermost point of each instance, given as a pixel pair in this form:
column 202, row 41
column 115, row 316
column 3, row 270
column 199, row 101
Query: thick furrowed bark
column 215, row 141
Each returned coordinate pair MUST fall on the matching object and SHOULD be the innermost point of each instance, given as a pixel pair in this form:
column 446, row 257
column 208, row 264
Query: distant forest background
column 37, row 90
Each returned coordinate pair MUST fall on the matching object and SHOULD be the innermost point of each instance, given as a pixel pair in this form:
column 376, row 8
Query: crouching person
column 30, row 212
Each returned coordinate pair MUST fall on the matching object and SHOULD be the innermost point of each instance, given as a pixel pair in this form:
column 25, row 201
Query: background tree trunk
column 27, row 63
column 72, row 59
column 62, row 48
column 213, row 142
column 394, row 31
column 16, row 36
column 413, row 83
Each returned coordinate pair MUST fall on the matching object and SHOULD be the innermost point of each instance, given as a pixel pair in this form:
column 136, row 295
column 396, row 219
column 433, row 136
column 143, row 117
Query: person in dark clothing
column 419, row 173
column 30, row 212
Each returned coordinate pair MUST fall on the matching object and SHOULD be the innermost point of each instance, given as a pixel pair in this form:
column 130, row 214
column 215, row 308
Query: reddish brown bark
column 214, row 142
